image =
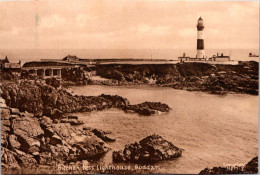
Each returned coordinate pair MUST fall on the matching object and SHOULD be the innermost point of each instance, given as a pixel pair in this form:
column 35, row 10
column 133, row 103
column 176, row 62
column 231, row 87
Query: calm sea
column 213, row 130
column 37, row 54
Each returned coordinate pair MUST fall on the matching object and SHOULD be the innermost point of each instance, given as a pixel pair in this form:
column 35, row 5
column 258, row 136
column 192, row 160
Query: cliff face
column 242, row 78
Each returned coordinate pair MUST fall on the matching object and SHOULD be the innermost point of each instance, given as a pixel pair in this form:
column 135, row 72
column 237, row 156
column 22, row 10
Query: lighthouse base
column 201, row 54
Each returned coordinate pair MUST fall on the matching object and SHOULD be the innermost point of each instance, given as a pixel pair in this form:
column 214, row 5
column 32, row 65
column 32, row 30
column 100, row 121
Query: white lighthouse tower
column 200, row 40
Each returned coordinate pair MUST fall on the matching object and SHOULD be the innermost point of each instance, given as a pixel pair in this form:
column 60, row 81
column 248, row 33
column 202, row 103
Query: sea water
column 26, row 55
column 213, row 130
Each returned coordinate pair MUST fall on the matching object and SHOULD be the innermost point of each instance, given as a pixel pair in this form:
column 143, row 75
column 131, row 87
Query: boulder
column 4, row 135
column 27, row 127
column 148, row 108
column 90, row 148
column 60, row 153
column 14, row 143
column 81, row 144
column 14, row 116
column 45, row 121
column 6, row 122
column 15, row 111
column 5, row 113
column 55, row 139
column 25, row 159
column 26, row 114
column 28, row 132
column 8, row 158
column 103, row 136
column 71, row 120
column 149, row 150
column 45, row 158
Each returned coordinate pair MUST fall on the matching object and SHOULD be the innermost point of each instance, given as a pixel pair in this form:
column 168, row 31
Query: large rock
column 73, row 120
column 103, row 135
column 8, row 158
column 149, row 150
column 5, row 113
column 5, row 126
column 25, row 159
column 14, row 143
column 69, row 142
column 27, row 127
column 91, row 148
column 148, row 108
column 15, row 111
column 29, row 133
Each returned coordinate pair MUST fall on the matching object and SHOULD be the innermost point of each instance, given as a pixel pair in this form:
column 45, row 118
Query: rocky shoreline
column 41, row 99
column 214, row 79
column 250, row 168
column 37, row 130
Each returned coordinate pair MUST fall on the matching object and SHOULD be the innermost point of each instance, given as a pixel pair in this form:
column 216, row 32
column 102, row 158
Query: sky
column 127, row 24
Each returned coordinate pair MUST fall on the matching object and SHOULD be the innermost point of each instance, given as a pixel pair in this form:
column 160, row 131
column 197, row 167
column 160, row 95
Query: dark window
column 47, row 72
column 55, row 72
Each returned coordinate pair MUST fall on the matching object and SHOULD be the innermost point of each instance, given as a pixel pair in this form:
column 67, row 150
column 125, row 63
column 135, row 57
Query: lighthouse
column 200, row 40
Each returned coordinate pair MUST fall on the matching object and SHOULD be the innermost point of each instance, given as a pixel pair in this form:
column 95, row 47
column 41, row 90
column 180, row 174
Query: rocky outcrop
column 148, row 108
column 149, row 150
column 73, row 120
column 41, row 99
column 76, row 144
column 250, row 168
column 28, row 133
column 103, row 135
column 74, row 76
column 216, row 79
column 29, row 141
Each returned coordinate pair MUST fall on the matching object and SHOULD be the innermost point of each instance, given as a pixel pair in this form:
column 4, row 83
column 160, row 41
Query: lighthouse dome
column 200, row 20
column 200, row 24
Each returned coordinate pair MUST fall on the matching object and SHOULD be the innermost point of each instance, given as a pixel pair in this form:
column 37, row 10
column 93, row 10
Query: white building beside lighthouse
column 200, row 40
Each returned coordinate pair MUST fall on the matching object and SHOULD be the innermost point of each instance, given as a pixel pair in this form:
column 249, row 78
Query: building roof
column 12, row 65
column 220, row 56
column 45, row 63
column 2, row 61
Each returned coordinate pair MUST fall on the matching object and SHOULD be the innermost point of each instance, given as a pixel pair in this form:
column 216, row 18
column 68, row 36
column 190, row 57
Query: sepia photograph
column 129, row 86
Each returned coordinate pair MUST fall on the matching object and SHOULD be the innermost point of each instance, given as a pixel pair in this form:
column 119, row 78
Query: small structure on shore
column 221, row 58
column 48, row 69
column 6, row 66
column 3, row 61
column 253, row 55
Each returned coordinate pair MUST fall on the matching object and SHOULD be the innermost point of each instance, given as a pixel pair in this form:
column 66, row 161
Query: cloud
column 127, row 24
column 53, row 21
column 187, row 32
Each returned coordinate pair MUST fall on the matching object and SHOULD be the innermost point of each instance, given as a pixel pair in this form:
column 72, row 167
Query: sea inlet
column 213, row 130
